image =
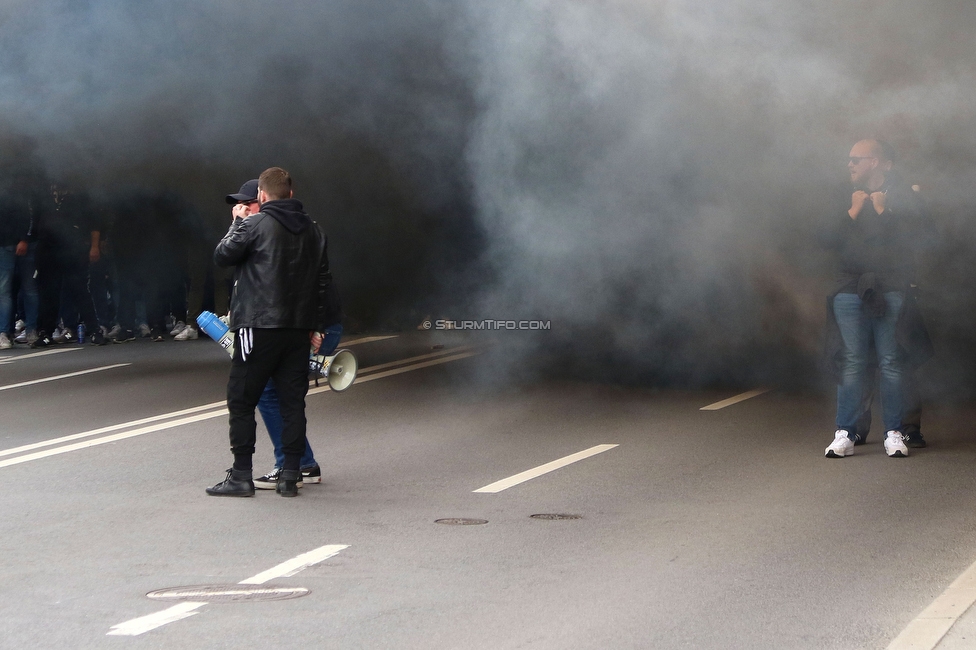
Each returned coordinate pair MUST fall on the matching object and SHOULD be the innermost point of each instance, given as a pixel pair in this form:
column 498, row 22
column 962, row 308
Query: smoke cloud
column 656, row 174
column 649, row 176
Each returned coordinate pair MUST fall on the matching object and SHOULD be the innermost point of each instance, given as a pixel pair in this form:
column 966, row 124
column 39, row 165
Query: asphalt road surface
column 697, row 529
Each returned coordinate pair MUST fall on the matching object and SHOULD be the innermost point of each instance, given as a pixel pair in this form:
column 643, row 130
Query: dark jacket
column 15, row 221
column 282, row 277
column 884, row 245
column 876, row 254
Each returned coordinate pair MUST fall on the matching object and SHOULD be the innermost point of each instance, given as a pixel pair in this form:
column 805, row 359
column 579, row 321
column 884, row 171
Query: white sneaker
column 188, row 334
column 894, row 444
column 115, row 331
column 144, row 330
column 179, row 327
column 5, row 343
column 841, row 446
column 19, row 326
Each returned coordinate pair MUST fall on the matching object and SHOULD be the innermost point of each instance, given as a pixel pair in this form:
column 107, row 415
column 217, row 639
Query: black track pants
column 259, row 355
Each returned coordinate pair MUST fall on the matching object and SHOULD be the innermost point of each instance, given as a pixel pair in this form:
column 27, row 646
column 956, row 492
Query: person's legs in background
column 7, row 265
column 27, row 277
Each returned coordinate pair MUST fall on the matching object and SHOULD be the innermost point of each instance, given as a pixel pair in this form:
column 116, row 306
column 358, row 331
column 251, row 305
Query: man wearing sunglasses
column 873, row 306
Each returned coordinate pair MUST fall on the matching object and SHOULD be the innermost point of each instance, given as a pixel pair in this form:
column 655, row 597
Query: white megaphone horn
column 339, row 369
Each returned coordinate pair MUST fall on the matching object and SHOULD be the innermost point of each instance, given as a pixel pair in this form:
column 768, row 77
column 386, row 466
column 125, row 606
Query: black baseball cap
column 249, row 192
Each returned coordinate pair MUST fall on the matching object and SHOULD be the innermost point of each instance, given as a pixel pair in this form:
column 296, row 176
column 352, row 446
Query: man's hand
column 316, row 339
column 239, row 211
column 95, row 253
column 21, row 249
column 878, row 199
column 858, row 199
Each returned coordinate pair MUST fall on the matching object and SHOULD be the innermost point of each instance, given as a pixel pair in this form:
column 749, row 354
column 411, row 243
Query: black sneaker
column 43, row 340
column 97, row 338
column 237, row 484
column 311, row 475
column 288, row 480
column 270, row 480
column 125, row 335
column 915, row 440
column 62, row 335
column 156, row 335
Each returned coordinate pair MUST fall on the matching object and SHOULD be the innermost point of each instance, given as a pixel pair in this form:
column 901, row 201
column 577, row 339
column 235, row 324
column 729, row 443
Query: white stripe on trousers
column 247, row 341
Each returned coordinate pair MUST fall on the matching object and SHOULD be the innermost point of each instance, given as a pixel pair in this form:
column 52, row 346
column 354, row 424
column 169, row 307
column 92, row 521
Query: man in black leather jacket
column 281, row 295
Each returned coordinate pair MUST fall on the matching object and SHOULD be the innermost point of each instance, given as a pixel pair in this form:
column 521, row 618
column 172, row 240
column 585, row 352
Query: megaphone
column 339, row 369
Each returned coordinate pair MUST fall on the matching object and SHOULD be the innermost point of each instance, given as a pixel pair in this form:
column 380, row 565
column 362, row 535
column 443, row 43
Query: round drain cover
column 555, row 517
column 228, row 593
column 459, row 521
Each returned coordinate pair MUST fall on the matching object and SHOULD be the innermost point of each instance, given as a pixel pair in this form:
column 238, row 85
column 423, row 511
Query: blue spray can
column 217, row 330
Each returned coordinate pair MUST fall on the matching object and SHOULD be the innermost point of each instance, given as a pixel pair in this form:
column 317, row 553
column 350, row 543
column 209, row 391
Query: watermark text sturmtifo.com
column 488, row 324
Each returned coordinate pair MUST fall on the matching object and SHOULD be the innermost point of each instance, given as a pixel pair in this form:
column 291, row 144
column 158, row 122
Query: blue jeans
column 271, row 413
column 858, row 328
column 25, row 268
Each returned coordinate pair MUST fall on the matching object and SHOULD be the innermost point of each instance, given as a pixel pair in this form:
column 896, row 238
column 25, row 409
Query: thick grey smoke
column 357, row 98
column 647, row 175
column 654, row 173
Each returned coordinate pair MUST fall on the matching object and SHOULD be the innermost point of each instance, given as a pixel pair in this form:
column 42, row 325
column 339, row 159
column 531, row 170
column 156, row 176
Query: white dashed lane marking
column 536, row 472
column 143, row 624
column 65, row 376
column 20, row 357
column 365, row 339
column 734, row 400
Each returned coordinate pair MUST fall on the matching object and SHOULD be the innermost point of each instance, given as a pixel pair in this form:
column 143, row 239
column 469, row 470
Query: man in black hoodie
column 281, row 295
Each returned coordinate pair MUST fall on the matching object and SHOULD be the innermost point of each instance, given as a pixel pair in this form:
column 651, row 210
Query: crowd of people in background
column 77, row 269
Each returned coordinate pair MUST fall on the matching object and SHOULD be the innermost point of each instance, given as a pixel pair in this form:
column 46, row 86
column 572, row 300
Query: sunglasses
column 856, row 160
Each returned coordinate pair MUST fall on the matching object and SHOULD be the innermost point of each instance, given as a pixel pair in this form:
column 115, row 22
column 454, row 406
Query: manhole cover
column 228, row 593
column 554, row 517
column 459, row 521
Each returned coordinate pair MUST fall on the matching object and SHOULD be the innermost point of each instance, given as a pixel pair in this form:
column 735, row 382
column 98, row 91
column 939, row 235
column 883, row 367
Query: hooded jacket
column 281, row 275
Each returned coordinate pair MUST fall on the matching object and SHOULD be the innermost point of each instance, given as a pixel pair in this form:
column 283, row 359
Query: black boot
column 288, row 482
column 237, row 484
